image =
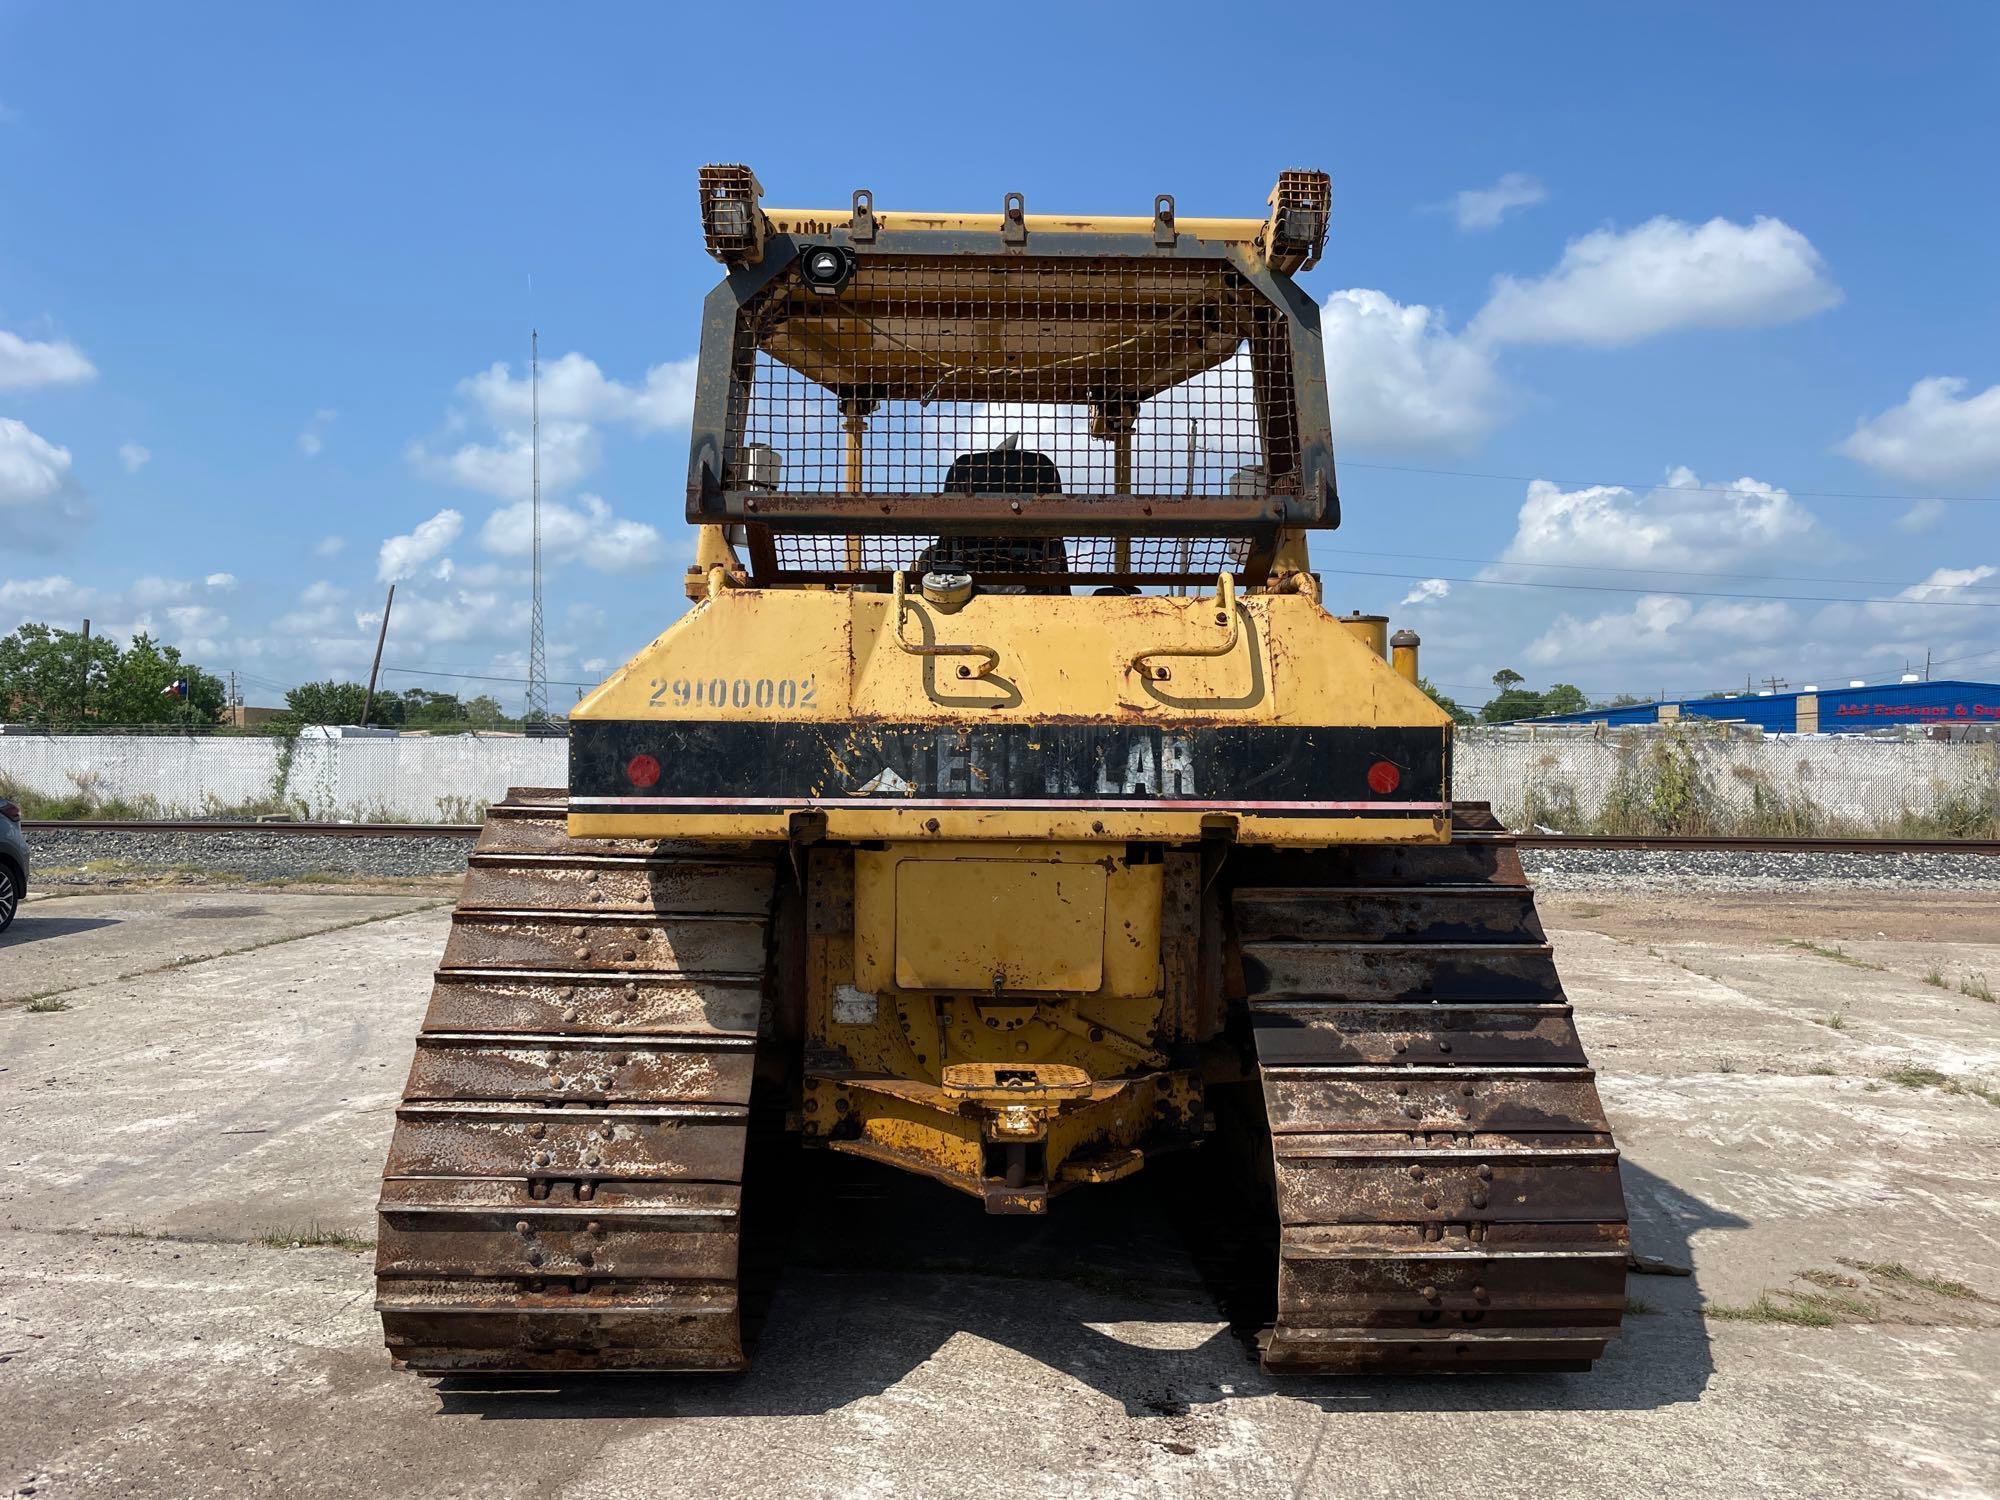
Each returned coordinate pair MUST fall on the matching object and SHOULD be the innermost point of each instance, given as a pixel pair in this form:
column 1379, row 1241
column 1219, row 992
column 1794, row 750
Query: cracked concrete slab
column 162, row 1127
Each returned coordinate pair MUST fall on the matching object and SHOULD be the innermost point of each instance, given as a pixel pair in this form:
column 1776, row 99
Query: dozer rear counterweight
column 1007, row 810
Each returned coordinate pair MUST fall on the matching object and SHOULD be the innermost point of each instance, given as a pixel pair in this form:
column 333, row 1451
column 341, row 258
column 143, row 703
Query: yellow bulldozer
column 1009, row 809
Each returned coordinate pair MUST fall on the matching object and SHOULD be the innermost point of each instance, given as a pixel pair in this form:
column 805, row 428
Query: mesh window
column 1135, row 377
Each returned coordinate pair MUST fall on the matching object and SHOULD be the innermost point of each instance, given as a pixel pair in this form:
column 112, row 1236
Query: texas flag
column 178, row 688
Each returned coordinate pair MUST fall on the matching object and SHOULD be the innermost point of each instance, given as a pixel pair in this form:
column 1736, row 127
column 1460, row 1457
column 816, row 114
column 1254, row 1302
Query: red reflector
column 642, row 771
column 1384, row 778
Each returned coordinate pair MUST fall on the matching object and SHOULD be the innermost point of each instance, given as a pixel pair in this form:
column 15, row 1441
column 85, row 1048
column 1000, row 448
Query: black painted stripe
column 735, row 767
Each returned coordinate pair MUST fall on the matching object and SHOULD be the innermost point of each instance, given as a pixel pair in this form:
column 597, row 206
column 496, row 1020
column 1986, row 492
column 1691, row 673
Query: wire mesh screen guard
column 926, row 378
column 1074, row 559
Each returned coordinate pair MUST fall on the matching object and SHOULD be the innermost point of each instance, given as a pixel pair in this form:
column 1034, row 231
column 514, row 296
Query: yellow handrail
column 989, row 657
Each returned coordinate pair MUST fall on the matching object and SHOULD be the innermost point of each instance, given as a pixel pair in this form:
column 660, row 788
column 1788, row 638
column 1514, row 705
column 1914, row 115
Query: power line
column 1502, row 562
column 1614, row 588
column 1710, row 489
column 484, row 677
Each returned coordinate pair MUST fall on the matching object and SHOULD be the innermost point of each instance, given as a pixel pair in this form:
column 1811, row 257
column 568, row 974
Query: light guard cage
column 1173, row 386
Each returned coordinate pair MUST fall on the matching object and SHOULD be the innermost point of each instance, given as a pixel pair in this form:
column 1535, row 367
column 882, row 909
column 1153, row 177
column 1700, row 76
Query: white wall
column 450, row 779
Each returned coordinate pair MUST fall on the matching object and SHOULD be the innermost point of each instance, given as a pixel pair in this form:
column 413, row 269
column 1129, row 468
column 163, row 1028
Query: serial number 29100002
column 733, row 692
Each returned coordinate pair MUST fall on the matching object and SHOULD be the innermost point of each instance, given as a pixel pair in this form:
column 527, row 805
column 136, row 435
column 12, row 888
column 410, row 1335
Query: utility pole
column 1776, row 684
column 536, row 708
column 83, row 678
column 368, row 703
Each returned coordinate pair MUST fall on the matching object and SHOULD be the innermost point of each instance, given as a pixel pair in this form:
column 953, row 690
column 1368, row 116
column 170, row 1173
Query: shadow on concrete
column 884, row 1269
column 29, row 928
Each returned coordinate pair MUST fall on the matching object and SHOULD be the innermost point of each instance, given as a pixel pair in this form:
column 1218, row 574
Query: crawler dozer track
column 1446, row 1187
column 564, row 1185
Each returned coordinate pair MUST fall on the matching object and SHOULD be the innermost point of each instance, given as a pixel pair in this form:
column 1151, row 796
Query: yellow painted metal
column 994, row 895
column 811, row 221
column 1006, row 925
column 1371, row 630
column 834, row 658
column 1403, row 655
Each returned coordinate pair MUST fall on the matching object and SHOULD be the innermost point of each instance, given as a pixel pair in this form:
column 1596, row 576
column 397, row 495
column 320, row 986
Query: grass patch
column 312, row 1238
column 44, row 1005
column 1770, row 1309
column 1934, row 977
column 1831, row 1281
column 1975, row 985
column 1815, row 1309
column 1834, row 1021
column 1898, row 1274
column 1639, row 1307
column 1910, row 1076
column 1835, row 954
column 1823, row 1070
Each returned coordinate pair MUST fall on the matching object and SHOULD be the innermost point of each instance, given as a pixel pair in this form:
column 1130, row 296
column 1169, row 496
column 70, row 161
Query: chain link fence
column 1691, row 778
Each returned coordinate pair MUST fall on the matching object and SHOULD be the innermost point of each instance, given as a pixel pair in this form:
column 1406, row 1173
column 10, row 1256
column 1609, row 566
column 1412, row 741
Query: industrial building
column 1854, row 709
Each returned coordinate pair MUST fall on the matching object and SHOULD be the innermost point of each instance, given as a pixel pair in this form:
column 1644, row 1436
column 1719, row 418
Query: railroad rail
column 1663, row 842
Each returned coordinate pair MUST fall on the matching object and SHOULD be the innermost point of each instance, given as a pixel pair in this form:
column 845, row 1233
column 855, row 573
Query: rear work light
column 642, row 771
column 1383, row 778
column 11, row 811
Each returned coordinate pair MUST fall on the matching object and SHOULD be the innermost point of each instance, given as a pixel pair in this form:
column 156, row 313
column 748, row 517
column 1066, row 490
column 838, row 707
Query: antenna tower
column 537, row 706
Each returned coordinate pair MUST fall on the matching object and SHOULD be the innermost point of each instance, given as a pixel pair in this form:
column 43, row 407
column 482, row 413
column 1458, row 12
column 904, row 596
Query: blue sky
column 258, row 265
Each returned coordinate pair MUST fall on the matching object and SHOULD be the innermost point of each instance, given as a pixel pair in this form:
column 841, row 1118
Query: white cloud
column 1616, row 287
column 322, row 592
column 26, row 364
column 402, row 556
column 1945, row 583
column 454, row 617
column 1427, row 591
column 570, row 450
column 574, row 389
column 1938, row 436
column 329, row 546
column 587, row 532
column 313, row 439
column 134, row 457
column 1399, row 379
column 1663, row 627
column 33, row 470
column 148, row 592
column 1682, row 524
column 1921, row 517
column 576, row 399
column 52, row 598
column 1484, row 208
column 221, row 583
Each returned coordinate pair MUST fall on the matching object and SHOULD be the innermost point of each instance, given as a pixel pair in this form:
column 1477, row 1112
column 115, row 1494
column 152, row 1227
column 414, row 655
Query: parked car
column 13, row 863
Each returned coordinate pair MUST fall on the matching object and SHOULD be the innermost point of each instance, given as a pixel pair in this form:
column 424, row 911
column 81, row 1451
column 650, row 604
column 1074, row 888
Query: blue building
column 1812, row 710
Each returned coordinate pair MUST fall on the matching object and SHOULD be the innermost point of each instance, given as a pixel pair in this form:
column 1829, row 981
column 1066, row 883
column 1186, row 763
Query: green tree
column 422, row 707
column 1512, row 701
column 136, row 688
column 1459, row 715
column 332, row 702
column 1564, row 699
column 1623, row 700
column 50, row 676
column 483, row 712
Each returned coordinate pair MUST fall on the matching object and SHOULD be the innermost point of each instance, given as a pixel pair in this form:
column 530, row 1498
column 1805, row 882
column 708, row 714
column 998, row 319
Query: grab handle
column 989, row 658
column 1226, row 615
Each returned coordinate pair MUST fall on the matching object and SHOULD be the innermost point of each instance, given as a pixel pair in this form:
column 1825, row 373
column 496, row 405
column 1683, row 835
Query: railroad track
column 1670, row 843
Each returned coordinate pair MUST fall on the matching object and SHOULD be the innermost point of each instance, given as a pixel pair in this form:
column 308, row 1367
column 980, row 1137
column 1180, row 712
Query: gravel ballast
column 280, row 856
column 1685, row 871
column 62, row 856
